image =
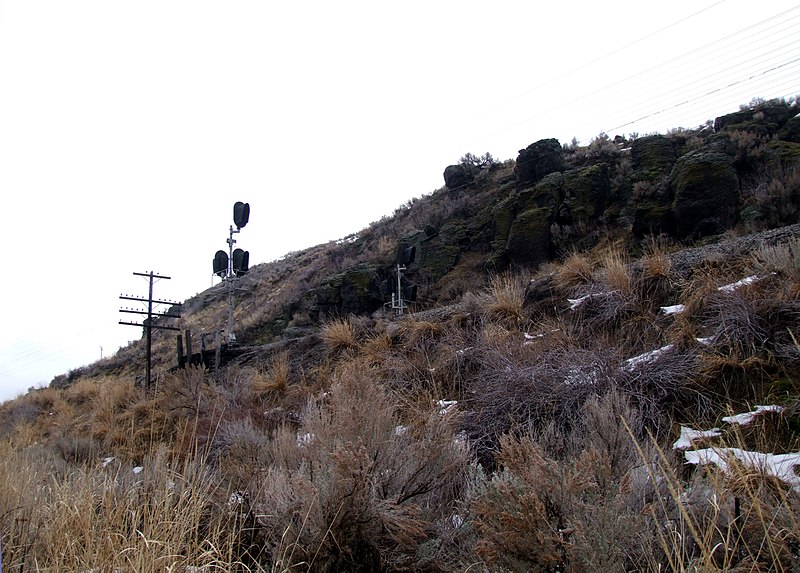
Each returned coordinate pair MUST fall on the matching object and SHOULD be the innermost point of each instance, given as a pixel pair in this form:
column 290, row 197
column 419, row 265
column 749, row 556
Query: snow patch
column 674, row 309
column 747, row 417
column 632, row 363
column 740, row 283
column 689, row 435
column 446, row 406
column 576, row 302
column 780, row 466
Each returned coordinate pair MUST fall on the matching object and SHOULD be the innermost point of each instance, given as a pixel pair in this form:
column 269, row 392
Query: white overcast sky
column 129, row 129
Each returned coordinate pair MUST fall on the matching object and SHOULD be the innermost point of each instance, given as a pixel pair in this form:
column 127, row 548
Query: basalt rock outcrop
column 538, row 160
column 459, row 176
column 689, row 185
column 706, row 194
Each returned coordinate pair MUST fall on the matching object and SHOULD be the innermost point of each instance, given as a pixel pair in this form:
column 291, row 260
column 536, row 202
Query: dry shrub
column 353, row 488
column 542, row 513
column 339, row 334
column 781, row 258
column 510, row 391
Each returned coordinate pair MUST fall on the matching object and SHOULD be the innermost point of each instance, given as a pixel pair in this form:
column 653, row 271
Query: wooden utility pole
column 148, row 322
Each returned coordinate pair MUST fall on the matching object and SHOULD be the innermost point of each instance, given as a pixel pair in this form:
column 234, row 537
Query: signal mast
column 235, row 263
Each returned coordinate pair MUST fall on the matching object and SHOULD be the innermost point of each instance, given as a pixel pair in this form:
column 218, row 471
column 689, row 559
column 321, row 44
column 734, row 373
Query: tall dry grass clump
column 576, row 269
column 275, row 377
column 161, row 516
column 338, row 334
column 615, row 271
column 782, row 258
column 505, row 299
column 655, row 261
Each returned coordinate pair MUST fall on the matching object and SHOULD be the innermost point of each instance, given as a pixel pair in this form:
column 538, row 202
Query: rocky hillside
column 689, row 187
column 601, row 371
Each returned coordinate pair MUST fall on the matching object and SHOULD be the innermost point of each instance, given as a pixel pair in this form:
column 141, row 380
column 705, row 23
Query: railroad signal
column 241, row 214
column 235, row 263
column 241, row 262
column 221, row 264
column 407, row 255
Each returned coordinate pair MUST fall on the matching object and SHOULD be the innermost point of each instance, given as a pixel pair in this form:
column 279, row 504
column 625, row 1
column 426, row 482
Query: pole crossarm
column 149, row 326
column 151, row 275
column 126, row 297
column 164, row 314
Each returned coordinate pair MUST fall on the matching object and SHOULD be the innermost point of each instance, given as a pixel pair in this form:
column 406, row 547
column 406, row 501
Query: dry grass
column 275, row 377
column 615, row 271
column 739, row 519
column 506, row 296
column 576, row 269
column 338, row 334
column 110, row 518
column 656, row 262
column 782, row 258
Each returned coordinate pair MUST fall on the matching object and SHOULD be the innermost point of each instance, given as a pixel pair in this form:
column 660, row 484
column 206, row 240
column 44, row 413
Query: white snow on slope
column 740, row 283
column 632, row 363
column 689, row 435
column 747, row 417
column 780, row 466
column 674, row 309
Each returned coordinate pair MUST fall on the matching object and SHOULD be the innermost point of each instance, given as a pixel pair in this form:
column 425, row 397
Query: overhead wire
column 770, row 31
column 607, row 55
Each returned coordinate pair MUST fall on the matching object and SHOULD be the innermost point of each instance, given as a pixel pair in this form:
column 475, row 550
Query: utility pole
column 148, row 322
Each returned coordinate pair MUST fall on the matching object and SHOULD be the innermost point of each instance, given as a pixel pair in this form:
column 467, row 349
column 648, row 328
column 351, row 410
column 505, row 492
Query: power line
column 718, row 45
column 605, row 56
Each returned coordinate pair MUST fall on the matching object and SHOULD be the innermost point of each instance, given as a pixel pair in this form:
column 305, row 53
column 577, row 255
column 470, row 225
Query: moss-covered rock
column 766, row 118
column 358, row 290
column 529, row 239
column 537, row 160
column 455, row 232
column 652, row 217
column 549, row 192
column 586, row 194
column 706, row 194
column 653, row 156
column 730, row 119
column 791, row 130
column 502, row 215
column 438, row 259
column 459, row 176
column 787, row 152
